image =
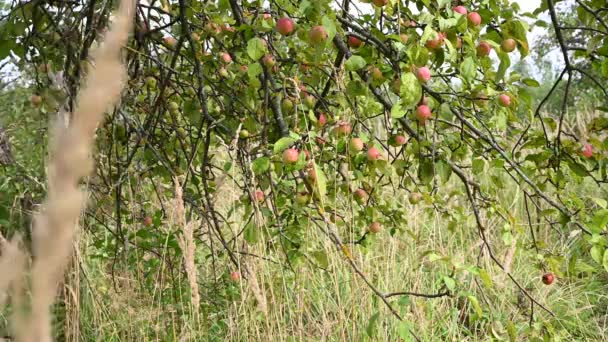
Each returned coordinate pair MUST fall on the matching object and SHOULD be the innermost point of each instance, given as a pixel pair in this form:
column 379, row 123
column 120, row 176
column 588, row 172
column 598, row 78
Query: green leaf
column 355, row 63
column 330, row 27
column 597, row 253
column 599, row 221
column 283, row 144
column 261, row 165
column 468, row 69
column 476, row 305
column 252, row 233
column 256, row 48
column 321, row 258
column 531, row 82
column 485, row 278
column 425, row 171
column 254, row 70
column 397, row 111
column 444, row 170
column 410, row 91
column 450, row 283
column 403, row 331
column 320, row 183
column 505, row 63
column 605, row 260
column 372, row 325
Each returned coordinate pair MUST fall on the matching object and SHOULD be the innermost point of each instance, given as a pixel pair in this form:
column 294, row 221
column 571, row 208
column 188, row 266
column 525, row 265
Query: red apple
column 170, row 41
column 474, row 19
column 267, row 16
column 373, row 154
column 508, row 45
column 380, row 3
column 235, row 276
column 354, row 42
column 460, row 9
column 548, row 278
column 147, row 221
column 226, row 58
column 483, row 49
column 290, row 156
column 504, row 100
column 437, row 43
column 285, row 26
column 259, row 196
column 398, row 140
column 317, row 34
column 268, row 61
column 356, row 144
column 322, row 120
column 36, row 100
column 374, row 228
column 423, row 74
column 587, row 150
column 343, row 128
column 423, row 113
column 415, row 197
column 360, row 195
column 377, row 74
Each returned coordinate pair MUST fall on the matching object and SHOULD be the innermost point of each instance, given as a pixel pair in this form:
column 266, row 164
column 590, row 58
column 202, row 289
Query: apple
column 223, row 72
column 36, row 100
column 267, row 16
column 243, row 68
column 268, row 61
column 404, row 38
column 259, row 196
column 195, row 36
column 373, row 154
column 312, row 175
column 434, row 44
column 309, row 101
column 147, row 221
column 170, row 41
column 474, row 19
column 226, row 58
column 398, row 140
column 508, row 45
column 285, row 26
column 504, row 100
column 287, row 105
column 235, row 276
column 290, row 156
column 483, row 49
column 317, row 34
column 423, row 74
column 173, row 107
column 354, row 42
column 302, row 198
column 460, row 9
column 377, row 74
column 356, row 144
column 360, row 196
column 374, row 228
column 415, row 197
column 423, row 113
column 322, row 120
column 587, row 150
column 343, row 128
column 151, row 82
column 244, row 134
column 548, row 278
column 380, row 3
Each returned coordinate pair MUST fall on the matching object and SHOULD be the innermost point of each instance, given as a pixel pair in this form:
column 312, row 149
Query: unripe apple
column 290, row 156
column 356, row 144
column 243, row 68
column 259, row 196
column 548, row 278
column 268, row 61
column 309, row 101
column 587, row 150
column 415, row 197
column 423, row 113
column 474, row 19
column 302, row 198
column 374, row 228
column 317, row 34
column 360, row 196
column 235, row 276
column 343, row 128
column 483, row 49
column 354, row 42
column 226, row 58
column 423, row 74
column 377, row 74
column 460, row 9
column 151, row 82
column 504, row 100
column 244, row 134
column 373, row 154
column 173, row 107
column 508, row 45
column 287, row 105
column 223, row 72
column 285, row 26
column 36, row 100
column 322, row 120
column 380, row 3
column 148, row 221
column 397, row 140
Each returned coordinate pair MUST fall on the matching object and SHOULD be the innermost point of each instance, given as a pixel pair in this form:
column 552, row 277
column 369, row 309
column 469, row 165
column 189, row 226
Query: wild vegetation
column 309, row 170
